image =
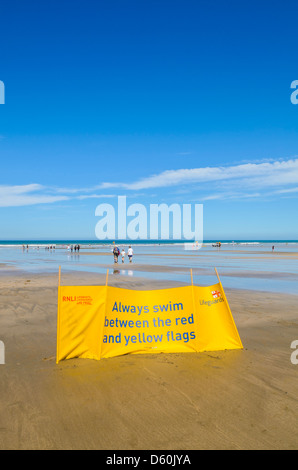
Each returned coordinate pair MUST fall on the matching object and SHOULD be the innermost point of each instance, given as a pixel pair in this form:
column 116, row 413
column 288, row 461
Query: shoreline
column 93, row 244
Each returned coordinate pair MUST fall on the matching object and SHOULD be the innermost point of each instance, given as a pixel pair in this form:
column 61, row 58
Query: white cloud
column 287, row 191
column 249, row 180
column 249, row 176
column 95, row 196
column 26, row 195
column 237, row 195
column 33, row 194
column 16, row 190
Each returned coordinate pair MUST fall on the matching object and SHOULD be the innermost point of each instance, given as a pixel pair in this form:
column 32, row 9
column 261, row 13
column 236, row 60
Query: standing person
column 130, row 254
column 123, row 255
column 116, row 253
column 78, row 248
column 272, row 248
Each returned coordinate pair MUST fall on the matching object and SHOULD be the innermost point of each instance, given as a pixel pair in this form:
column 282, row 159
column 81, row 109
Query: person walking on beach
column 130, row 254
column 116, row 253
column 123, row 255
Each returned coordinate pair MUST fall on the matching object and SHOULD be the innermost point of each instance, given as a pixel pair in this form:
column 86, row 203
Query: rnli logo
column 80, row 300
column 69, row 299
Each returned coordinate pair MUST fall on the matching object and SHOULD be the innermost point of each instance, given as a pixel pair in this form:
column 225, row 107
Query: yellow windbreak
column 100, row 322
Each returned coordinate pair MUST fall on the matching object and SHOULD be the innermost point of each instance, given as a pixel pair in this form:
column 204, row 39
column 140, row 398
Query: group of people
column 75, row 248
column 50, row 247
column 116, row 253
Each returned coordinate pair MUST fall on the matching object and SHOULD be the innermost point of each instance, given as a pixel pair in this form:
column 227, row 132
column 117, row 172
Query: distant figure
column 130, row 254
column 116, row 253
column 78, row 247
column 71, row 248
column 272, row 248
column 123, row 255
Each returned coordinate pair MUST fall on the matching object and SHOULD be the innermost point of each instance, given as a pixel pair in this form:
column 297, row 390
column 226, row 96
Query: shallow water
column 240, row 266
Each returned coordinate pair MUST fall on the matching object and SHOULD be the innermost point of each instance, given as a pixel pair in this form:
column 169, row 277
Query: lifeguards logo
column 216, row 294
column 217, row 297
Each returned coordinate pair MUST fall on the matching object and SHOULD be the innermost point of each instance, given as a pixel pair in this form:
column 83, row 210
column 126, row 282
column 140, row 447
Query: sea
column 95, row 243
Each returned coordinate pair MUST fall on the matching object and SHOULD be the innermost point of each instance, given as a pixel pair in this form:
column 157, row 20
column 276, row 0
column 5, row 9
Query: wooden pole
column 58, row 316
column 217, row 275
column 194, row 308
column 228, row 306
column 103, row 317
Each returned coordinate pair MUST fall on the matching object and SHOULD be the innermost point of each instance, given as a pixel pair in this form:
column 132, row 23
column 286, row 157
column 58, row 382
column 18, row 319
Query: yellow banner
column 100, row 322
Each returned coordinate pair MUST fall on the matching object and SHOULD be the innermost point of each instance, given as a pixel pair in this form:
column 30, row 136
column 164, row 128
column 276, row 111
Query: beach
column 240, row 399
column 149, row 238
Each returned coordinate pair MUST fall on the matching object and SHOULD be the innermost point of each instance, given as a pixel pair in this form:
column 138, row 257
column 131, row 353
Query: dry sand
column 224, row 400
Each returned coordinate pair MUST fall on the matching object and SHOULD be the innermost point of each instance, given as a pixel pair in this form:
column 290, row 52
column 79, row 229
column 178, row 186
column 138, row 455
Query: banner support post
column 104, row 316
column 58, row 316
column 217, row 275
column 227, row 303
column 194, row 308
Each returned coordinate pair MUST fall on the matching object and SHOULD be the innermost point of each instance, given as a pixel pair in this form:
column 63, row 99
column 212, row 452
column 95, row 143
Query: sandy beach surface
column 244, row 399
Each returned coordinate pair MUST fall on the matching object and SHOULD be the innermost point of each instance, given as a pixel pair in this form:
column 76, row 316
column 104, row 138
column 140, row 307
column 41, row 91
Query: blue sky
column 161, row 101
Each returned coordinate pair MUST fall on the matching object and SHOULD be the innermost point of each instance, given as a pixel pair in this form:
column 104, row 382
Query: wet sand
column 252, row 254
column 222, row 400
